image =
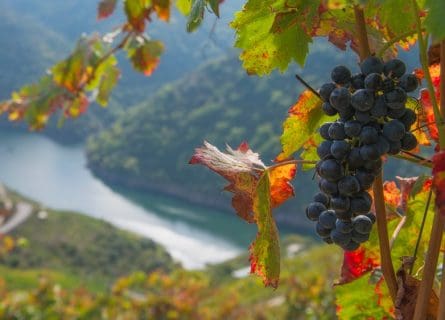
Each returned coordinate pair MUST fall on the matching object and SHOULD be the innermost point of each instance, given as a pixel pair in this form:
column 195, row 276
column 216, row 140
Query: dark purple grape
column 393, row 130
column 371, row 65
column 382, row 145
column 351, row 246
column 363, row 117
column 380, row 109
column 373, row 81
column 343, row 226
column 340, row 149
column 340, row 238
column 340, row 98
column 370, row 152
column 340, row 203
column 322, row 198
column 359, row 237
column 324, row 149
column 395, row 147
column 394, row 68
column 358, row 81
column 372, row 217
column 369, row 135
column 409, row 82
column 355, row 160
column 314, row 209
column 337, row 131
column 324, row 130
column 328, row 109
column 353, row 128
column 396, row 98
column 362, row 100
column 365, row 179
column 349, row 185
column 408, row 119
column 341, row 75
column 409, row 142
column 396, row 113
column 326, row 90
column 362, row 224
column 388, row 85
column 373, row 166
column 360, row 205
column 346, row 114
column 328, row 187
column 331, row 170
column 344, row 215
column 327, row 219
column 322, row 232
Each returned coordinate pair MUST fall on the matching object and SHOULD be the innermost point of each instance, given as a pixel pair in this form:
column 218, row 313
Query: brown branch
column 379, row 201
column 382, row 229
column 441, row 314
column 397, row 230
column 442, row 78
column 284, row 163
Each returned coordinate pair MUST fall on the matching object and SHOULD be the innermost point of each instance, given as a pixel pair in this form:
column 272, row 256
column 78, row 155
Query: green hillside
column 73, row 247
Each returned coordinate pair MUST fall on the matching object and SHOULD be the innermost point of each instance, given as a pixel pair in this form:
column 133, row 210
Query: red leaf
column 391, row 193
column 356, row 263
column 439, row 180
column 145, row 54
column 105, row 9
column 425, row 99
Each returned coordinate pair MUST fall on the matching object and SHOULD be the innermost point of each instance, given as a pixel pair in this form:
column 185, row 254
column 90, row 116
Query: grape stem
column 379, row 201
column 308, row 86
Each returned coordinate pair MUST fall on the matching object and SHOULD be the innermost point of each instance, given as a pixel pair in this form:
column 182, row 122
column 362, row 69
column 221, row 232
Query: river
column 57, row 176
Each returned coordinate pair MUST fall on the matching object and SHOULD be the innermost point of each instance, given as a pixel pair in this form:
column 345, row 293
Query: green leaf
column 184, row 6
column 301, row 126
column 136, row 11
column 108, row 82
column 435, row 22
column 362, row 299
column 196, row 15
column 214, row 5
column 271, row 36
column 265, row 250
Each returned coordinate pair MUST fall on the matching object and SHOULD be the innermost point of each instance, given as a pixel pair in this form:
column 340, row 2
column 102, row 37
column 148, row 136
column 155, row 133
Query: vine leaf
column 257, row 190
column 356, row 264
column 434, row 21
column 301, row 126
column 87, row 69
column 439, row 180
column 137, row 12
column 265, row 250
column 196, row 15
column 144, row 54
column 427, row 116
column 106, row 8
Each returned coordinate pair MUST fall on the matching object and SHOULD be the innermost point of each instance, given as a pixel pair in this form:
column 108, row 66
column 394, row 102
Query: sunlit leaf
column 196, row 15
column 184, row 6
column 356, row 264
column 280, row 187
column 265, row 250
column 162, row 9
column 137, row 12
column 302, row 124
column 434, row 22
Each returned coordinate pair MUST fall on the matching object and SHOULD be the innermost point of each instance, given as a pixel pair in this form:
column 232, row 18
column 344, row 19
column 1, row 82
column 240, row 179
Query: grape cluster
column 372, row 121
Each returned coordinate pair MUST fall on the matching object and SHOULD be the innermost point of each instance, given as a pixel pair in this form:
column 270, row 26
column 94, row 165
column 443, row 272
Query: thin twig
column 307, row 85
column 417, row 156
column 422, row 225
column 287, row 162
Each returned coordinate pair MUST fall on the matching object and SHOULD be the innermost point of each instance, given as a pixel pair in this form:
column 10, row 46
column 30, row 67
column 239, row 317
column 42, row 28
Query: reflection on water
column 57, row 176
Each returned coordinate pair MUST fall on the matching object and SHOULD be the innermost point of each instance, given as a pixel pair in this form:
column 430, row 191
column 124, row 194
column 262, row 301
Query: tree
column 271, row 35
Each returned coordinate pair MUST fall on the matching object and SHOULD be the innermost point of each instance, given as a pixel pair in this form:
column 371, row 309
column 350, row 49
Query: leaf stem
column 394, row 40
column 421, row 162
column 287, row 162
column 422, row 225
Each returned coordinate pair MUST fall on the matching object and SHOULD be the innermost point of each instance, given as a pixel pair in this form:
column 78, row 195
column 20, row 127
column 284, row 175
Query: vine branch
column 294, row 161
column 379, row 202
